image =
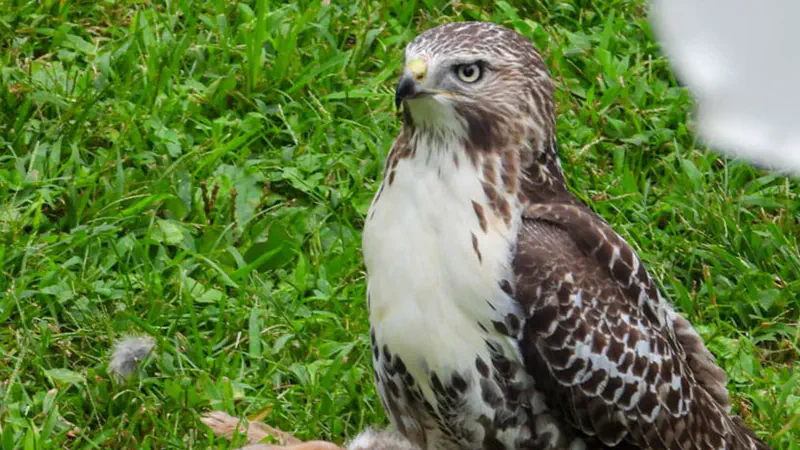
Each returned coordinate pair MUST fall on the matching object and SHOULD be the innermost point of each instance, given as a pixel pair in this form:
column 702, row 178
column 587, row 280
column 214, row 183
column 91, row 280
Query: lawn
column 199, row 171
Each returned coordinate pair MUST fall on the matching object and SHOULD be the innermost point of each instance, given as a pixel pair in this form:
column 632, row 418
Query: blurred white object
column 741, row 61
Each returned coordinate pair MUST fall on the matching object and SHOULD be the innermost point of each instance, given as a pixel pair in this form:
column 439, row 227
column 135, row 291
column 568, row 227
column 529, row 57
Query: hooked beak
column 407, row 88
column 409, row 85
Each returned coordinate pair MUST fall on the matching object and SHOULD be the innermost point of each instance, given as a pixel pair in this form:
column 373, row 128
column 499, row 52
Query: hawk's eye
column 469, row 73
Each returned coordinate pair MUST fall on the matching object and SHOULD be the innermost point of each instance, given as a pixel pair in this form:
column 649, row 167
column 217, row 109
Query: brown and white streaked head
column 480, row 82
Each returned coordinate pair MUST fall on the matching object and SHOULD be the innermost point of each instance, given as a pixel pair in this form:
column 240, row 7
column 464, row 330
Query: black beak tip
column 405, row 88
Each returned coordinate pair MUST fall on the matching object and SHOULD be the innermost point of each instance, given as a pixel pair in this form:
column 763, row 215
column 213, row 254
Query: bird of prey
column 505, row 314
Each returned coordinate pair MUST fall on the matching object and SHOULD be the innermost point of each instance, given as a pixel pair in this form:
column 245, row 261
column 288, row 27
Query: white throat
column 436, row 117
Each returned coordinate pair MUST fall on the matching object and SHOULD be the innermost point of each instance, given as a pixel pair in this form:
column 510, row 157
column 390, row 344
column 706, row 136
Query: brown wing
column 612, row 356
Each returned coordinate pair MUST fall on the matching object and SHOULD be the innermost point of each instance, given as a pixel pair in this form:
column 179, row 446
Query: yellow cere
column 418, row 68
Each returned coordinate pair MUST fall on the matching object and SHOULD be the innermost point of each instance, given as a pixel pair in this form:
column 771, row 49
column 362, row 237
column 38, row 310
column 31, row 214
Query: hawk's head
column 478, row 81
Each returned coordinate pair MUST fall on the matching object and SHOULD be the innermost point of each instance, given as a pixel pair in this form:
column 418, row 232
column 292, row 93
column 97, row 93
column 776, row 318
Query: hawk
column 505, row 314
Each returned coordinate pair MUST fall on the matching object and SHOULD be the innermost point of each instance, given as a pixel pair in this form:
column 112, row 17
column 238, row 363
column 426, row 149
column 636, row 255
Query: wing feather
column 613, row 356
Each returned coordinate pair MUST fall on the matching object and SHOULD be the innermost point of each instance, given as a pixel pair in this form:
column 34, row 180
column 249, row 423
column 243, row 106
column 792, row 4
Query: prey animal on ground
column 223, row 424
column 504, row 313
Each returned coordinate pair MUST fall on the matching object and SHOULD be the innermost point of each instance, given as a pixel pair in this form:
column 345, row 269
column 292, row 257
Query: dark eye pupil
column 468, row 71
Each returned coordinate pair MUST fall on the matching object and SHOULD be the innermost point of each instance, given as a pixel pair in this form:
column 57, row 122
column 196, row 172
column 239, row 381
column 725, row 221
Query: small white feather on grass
column 127, row 353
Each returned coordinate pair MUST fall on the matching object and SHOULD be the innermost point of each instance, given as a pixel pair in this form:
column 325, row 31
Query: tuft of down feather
column 370, row 439
column 127, row 354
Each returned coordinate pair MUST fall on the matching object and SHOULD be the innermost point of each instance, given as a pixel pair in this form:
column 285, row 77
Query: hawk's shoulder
column 612, row 355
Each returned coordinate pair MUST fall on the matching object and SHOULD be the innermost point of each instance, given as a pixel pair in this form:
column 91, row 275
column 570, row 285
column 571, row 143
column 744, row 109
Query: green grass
column 199, row 171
